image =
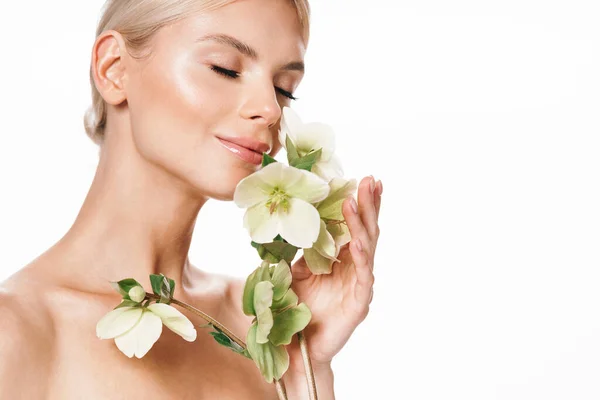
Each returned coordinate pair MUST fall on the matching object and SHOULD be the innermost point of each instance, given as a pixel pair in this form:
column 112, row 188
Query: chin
column 219, row 189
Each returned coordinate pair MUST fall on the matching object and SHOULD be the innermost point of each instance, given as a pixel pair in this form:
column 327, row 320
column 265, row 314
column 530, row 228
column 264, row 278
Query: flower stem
column 281, row 390
column 310, row 376
column 278, row 383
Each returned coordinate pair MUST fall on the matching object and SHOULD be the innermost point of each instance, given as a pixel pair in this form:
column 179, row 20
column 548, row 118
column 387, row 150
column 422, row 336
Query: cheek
column 174, row 109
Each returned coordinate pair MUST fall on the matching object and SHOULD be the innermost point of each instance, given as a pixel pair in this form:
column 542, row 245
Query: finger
column 366, row 205
column 364, row 273
column 378, row 191
column 355, row 223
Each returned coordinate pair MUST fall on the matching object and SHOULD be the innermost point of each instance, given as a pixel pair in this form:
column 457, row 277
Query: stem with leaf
column 281, row 392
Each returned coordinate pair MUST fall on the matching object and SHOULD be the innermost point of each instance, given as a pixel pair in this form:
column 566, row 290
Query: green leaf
column 276, row 251
column 258, row 275
column 267, row 159
column 123, row 286
column 289, row 322
column 272, row 361
column 282, row 279
column 224, row 340
column 278, row 238
column 163, row 287
column 307, row 161
column 156, row 282
column 127, row 303
column 292, row 152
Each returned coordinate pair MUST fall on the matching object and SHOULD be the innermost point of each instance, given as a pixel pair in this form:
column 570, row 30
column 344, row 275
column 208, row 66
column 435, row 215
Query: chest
column 85, row 367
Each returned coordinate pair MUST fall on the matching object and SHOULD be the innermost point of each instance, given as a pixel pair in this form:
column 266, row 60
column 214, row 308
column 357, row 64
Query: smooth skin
column 159, row 164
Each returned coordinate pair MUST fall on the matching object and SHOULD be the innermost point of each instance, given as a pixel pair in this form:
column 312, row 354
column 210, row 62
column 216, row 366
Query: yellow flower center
column 276, row 198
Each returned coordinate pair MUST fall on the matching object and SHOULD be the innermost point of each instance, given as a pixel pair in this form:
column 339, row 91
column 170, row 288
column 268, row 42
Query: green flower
column 333, row 233
column 268, row 296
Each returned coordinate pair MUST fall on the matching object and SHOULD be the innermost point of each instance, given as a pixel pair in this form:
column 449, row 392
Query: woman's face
column 224, row 74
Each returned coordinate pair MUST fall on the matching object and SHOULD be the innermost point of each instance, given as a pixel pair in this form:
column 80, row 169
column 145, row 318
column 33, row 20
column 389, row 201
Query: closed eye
column 228, row 73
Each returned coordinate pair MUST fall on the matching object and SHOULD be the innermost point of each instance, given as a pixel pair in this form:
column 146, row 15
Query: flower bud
column 137, row 293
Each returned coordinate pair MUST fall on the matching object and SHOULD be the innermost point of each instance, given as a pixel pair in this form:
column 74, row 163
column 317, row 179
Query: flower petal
column 328, row 169
column 272, row 361
column 300, row 224
column 117, row 322
column 259, row 274
column 174, row 320
column 278, row 174
column 263, row 298
column 281, row 136
column 310, row 188
column 325, row 243
column 315, row 136
column 340, row 233
column 139, row 339
column 261, row 224
column 251, row 190
column 282, row 279
column 317, row 264
column 289, row 299
column 289, row 322
column 290, row 124
column 340, row 189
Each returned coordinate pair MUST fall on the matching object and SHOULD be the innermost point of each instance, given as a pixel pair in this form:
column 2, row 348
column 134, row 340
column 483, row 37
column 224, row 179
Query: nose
column 261, row 105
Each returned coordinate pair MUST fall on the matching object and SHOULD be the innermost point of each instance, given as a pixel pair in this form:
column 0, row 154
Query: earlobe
column 108, row 68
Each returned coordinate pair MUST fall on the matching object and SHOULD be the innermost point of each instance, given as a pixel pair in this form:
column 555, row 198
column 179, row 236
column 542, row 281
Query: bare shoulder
column 25, row 340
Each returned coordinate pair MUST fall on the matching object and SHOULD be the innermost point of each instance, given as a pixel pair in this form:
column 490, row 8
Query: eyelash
column 233, row 74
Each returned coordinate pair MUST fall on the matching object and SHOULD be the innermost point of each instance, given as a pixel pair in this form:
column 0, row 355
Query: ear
column 108, row 66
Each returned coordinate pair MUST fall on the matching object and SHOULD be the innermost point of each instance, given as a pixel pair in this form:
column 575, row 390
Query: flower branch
column 288, row 208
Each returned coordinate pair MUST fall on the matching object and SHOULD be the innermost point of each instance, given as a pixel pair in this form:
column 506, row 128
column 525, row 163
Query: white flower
column 278, row 198
column 309, row 137
column 136, row 329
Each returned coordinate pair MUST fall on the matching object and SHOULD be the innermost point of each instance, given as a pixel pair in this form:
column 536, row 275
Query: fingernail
column 358, row 244
column 380, row 187
column 372, row 183
column 354, row 205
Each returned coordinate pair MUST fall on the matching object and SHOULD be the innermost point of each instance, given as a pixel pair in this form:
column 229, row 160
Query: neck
column 136, row 220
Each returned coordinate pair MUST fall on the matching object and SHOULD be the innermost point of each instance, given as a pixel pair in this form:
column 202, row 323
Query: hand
column 339, row 301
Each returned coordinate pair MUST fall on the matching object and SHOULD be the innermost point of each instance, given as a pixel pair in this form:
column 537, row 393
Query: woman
column 175, row 84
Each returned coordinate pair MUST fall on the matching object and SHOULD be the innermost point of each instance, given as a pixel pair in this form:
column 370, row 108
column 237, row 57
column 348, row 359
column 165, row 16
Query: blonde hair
column 137, row 21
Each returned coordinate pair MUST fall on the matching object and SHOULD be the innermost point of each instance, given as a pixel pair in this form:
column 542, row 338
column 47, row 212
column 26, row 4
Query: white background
column 481, row 119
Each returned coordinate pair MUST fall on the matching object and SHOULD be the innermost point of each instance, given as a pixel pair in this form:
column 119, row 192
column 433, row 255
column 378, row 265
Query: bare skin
column 160, row 163
column 59, row 322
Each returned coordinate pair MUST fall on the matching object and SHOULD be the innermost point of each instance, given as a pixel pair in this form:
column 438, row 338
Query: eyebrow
column 246, row 49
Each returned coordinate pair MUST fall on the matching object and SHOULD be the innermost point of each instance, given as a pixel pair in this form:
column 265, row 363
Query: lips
column 249, row 143
column 247, row 149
